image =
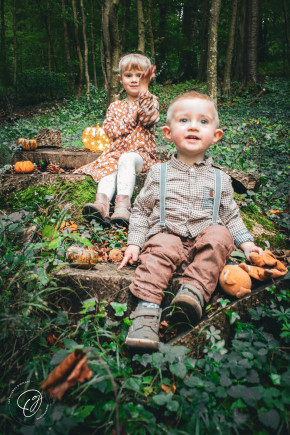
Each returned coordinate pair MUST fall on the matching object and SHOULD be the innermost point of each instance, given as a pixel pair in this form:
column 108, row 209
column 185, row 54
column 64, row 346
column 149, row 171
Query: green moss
column 34, row 197
column 277, row 241
column 249, row 223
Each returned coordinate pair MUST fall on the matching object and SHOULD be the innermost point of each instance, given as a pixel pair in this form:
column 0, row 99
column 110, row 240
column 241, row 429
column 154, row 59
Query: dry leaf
column 275, row 211
column 168, row 388
column 71, row 370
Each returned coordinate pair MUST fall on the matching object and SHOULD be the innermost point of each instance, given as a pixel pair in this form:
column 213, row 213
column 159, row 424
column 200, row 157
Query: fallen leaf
column 168, row 388
column 71, row 370
column 275, row 211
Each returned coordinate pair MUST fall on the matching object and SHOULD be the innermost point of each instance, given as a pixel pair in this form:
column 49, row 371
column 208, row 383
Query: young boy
column 193, row 242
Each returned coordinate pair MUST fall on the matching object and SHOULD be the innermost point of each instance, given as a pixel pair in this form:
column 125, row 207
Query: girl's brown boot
column 99, row 210
column 121, row 213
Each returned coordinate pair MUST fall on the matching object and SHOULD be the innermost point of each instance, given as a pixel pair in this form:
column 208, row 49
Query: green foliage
column 240, row 386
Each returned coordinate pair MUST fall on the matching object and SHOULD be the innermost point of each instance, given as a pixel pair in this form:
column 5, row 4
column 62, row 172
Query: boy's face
column 130, row 79
column 192, row 129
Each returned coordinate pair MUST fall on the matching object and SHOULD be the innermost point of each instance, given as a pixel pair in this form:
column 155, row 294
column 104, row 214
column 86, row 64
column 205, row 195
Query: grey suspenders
column 216, row 203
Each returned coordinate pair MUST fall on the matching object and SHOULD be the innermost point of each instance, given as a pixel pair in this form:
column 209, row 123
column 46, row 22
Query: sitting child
column 129, row 124
column 202, row 222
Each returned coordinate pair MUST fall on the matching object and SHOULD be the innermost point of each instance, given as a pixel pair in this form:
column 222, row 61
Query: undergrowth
column 239, row 386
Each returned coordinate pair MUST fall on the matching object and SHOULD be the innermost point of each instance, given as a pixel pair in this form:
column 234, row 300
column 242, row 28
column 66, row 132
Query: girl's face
column 130, row 79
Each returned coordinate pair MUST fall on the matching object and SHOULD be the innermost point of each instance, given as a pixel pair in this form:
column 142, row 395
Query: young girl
column 129, row 124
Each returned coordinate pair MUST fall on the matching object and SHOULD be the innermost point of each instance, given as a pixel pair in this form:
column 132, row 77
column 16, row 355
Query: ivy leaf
column 269, row 418
column 50, row 233
column 119, row 308
column 59, row 356
column 133, row 384
column 178, row 369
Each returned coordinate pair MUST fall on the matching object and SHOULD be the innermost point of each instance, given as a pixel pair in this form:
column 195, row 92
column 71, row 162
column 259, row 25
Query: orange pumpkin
column 95, row 139
column 115, row 255
column 27, row 144
column 26, row 167
column 68, row 224
column 84, row 258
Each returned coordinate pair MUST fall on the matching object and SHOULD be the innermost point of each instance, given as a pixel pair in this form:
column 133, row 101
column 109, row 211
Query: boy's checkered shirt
column 189, row 203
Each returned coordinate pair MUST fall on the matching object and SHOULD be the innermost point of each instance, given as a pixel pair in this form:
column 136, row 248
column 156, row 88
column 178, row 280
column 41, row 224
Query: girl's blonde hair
column 134, row 61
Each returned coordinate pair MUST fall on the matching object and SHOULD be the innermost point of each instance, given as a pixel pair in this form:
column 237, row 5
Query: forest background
column 58, row 70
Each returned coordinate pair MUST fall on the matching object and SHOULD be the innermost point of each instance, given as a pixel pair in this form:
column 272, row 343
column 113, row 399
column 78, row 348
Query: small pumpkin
column 115, row 255
column 65, row 225
column 27, row 144
column 84, row 258
column 95, row 139
column 26, row 167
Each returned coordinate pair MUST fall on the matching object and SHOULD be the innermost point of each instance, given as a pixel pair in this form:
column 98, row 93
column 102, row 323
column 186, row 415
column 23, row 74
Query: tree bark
column 85, row 49
column 286, row 19
column 79, row 53
column 3, row 43
column 150, row 31
column 15, row 57
column 253, row 34
column 213, row 49
column 93, row 45
column 66, row 47
column 188, row 65
column 204, row 38
column 125, row 15
column 141, row 27
column 111, row 46
column 230, row 48
column 240, row 44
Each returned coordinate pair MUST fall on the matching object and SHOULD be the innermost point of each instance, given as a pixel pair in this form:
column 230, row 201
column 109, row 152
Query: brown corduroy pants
column 200, row 260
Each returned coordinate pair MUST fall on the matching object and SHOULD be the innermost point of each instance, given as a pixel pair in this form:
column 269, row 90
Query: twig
column 258, row 96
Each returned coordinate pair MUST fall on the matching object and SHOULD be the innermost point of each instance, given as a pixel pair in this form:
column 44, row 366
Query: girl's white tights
column 124, row 179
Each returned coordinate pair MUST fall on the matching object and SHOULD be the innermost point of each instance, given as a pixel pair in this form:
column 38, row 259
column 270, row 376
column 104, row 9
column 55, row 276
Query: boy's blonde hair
column 188, row 96
column 134, row 61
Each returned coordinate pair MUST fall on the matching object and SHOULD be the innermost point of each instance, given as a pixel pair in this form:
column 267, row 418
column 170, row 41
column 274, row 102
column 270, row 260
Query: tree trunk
column 80, row 57
column 188, row 64
column 213, row 49
column 85, row 49
column 240, row 44
column 286, row 19
column 66, row 48
column 253, row 34
column 125, row 14
column 50, row 46
column 93, row 45
column 161, row 41
column 14, row 49
column 111, row 46
column 229, row 55
column 204, row 42
column 141, row 27
column 150, row 31
column 48, row 39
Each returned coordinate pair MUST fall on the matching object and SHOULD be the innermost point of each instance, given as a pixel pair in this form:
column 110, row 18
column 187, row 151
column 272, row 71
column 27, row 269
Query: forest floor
column 235, row 384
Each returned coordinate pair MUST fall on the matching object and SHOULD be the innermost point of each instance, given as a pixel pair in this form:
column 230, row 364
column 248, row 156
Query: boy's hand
column 131, row 255
column 145, row 78
column 249, row 247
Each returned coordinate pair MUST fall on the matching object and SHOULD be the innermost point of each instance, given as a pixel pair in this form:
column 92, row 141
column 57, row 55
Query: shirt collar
column 185, row 167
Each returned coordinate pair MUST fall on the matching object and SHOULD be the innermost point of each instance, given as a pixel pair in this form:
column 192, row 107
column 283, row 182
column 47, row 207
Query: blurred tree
column 212, row 51
column 230, row 49
column 141, row 27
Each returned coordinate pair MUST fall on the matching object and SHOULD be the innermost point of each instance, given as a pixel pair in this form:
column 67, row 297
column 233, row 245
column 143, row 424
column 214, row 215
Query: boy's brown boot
column 188, row 303
column 121, row 213
column 143, row 332
column 99, row 210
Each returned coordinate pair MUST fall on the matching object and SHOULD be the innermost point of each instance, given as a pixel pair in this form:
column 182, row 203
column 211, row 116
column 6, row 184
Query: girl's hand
column 146, row 77
column 131, row 255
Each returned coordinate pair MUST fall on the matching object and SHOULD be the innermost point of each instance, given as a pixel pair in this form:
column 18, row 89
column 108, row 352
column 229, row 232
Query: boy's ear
column 218, row 135
column 166, row 132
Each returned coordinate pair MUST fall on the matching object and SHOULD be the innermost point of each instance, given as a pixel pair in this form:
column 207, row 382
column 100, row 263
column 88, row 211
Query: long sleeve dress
column 127, row 135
